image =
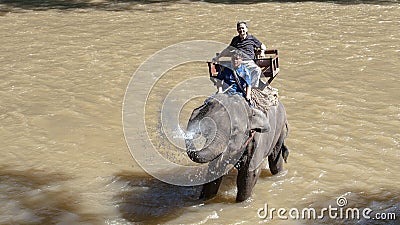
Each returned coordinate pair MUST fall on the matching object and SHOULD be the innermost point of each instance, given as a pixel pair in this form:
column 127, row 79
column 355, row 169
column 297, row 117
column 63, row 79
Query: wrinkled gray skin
column 226, row 122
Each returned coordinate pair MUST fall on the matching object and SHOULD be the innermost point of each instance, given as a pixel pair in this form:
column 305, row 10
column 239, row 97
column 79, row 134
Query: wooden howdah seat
column 269, row 66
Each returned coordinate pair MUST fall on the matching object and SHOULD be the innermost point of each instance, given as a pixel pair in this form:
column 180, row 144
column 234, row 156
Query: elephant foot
column 243, row 196
column 275, row 165
column 210, row 189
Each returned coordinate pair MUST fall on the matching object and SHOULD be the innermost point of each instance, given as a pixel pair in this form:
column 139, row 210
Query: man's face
column 242, row 29
column 236, row 61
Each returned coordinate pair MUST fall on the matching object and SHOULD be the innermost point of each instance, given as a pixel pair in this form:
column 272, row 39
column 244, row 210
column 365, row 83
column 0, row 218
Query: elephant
column 238, row 135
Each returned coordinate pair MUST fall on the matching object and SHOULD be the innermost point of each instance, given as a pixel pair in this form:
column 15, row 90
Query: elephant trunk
column 214, row 146
column 199, row 156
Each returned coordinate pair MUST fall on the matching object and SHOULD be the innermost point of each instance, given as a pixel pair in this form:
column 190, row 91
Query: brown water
column 64, row 69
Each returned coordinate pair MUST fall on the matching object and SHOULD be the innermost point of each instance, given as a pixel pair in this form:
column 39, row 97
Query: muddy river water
column 65, row 67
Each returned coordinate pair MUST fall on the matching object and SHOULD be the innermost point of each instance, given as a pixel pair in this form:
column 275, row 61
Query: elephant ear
column 259, row 121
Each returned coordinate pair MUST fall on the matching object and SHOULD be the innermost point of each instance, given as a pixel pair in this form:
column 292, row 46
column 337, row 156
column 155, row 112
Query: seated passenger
column 227, row 76
column 245, row 43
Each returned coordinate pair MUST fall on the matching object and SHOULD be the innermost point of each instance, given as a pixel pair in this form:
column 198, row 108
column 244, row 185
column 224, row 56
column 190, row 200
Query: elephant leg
column 246, row 179
column 210, row 189
column 245, row 183
column 275, row 159
column 275, row 164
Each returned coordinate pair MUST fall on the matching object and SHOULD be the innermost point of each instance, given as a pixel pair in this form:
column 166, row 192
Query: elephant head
column 225, row 122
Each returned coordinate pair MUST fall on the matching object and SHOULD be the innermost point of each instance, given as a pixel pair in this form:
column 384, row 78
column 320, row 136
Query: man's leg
column 255, row 72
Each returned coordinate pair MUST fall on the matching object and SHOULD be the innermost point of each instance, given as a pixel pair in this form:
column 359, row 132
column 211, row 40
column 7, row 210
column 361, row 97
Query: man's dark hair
column 241, row 22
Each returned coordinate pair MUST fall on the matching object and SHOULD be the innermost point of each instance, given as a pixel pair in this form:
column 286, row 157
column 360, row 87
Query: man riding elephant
column 245, row 43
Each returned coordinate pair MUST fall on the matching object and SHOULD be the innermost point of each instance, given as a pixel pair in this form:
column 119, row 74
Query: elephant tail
column 287, row 128
column 284, row 149
column 285, row 152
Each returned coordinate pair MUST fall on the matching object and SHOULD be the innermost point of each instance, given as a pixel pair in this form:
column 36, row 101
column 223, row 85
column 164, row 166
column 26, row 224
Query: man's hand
column 263, row 49
column 250, row 102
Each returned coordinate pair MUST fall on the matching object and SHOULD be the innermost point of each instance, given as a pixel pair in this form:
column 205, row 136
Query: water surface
column 65, row 67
